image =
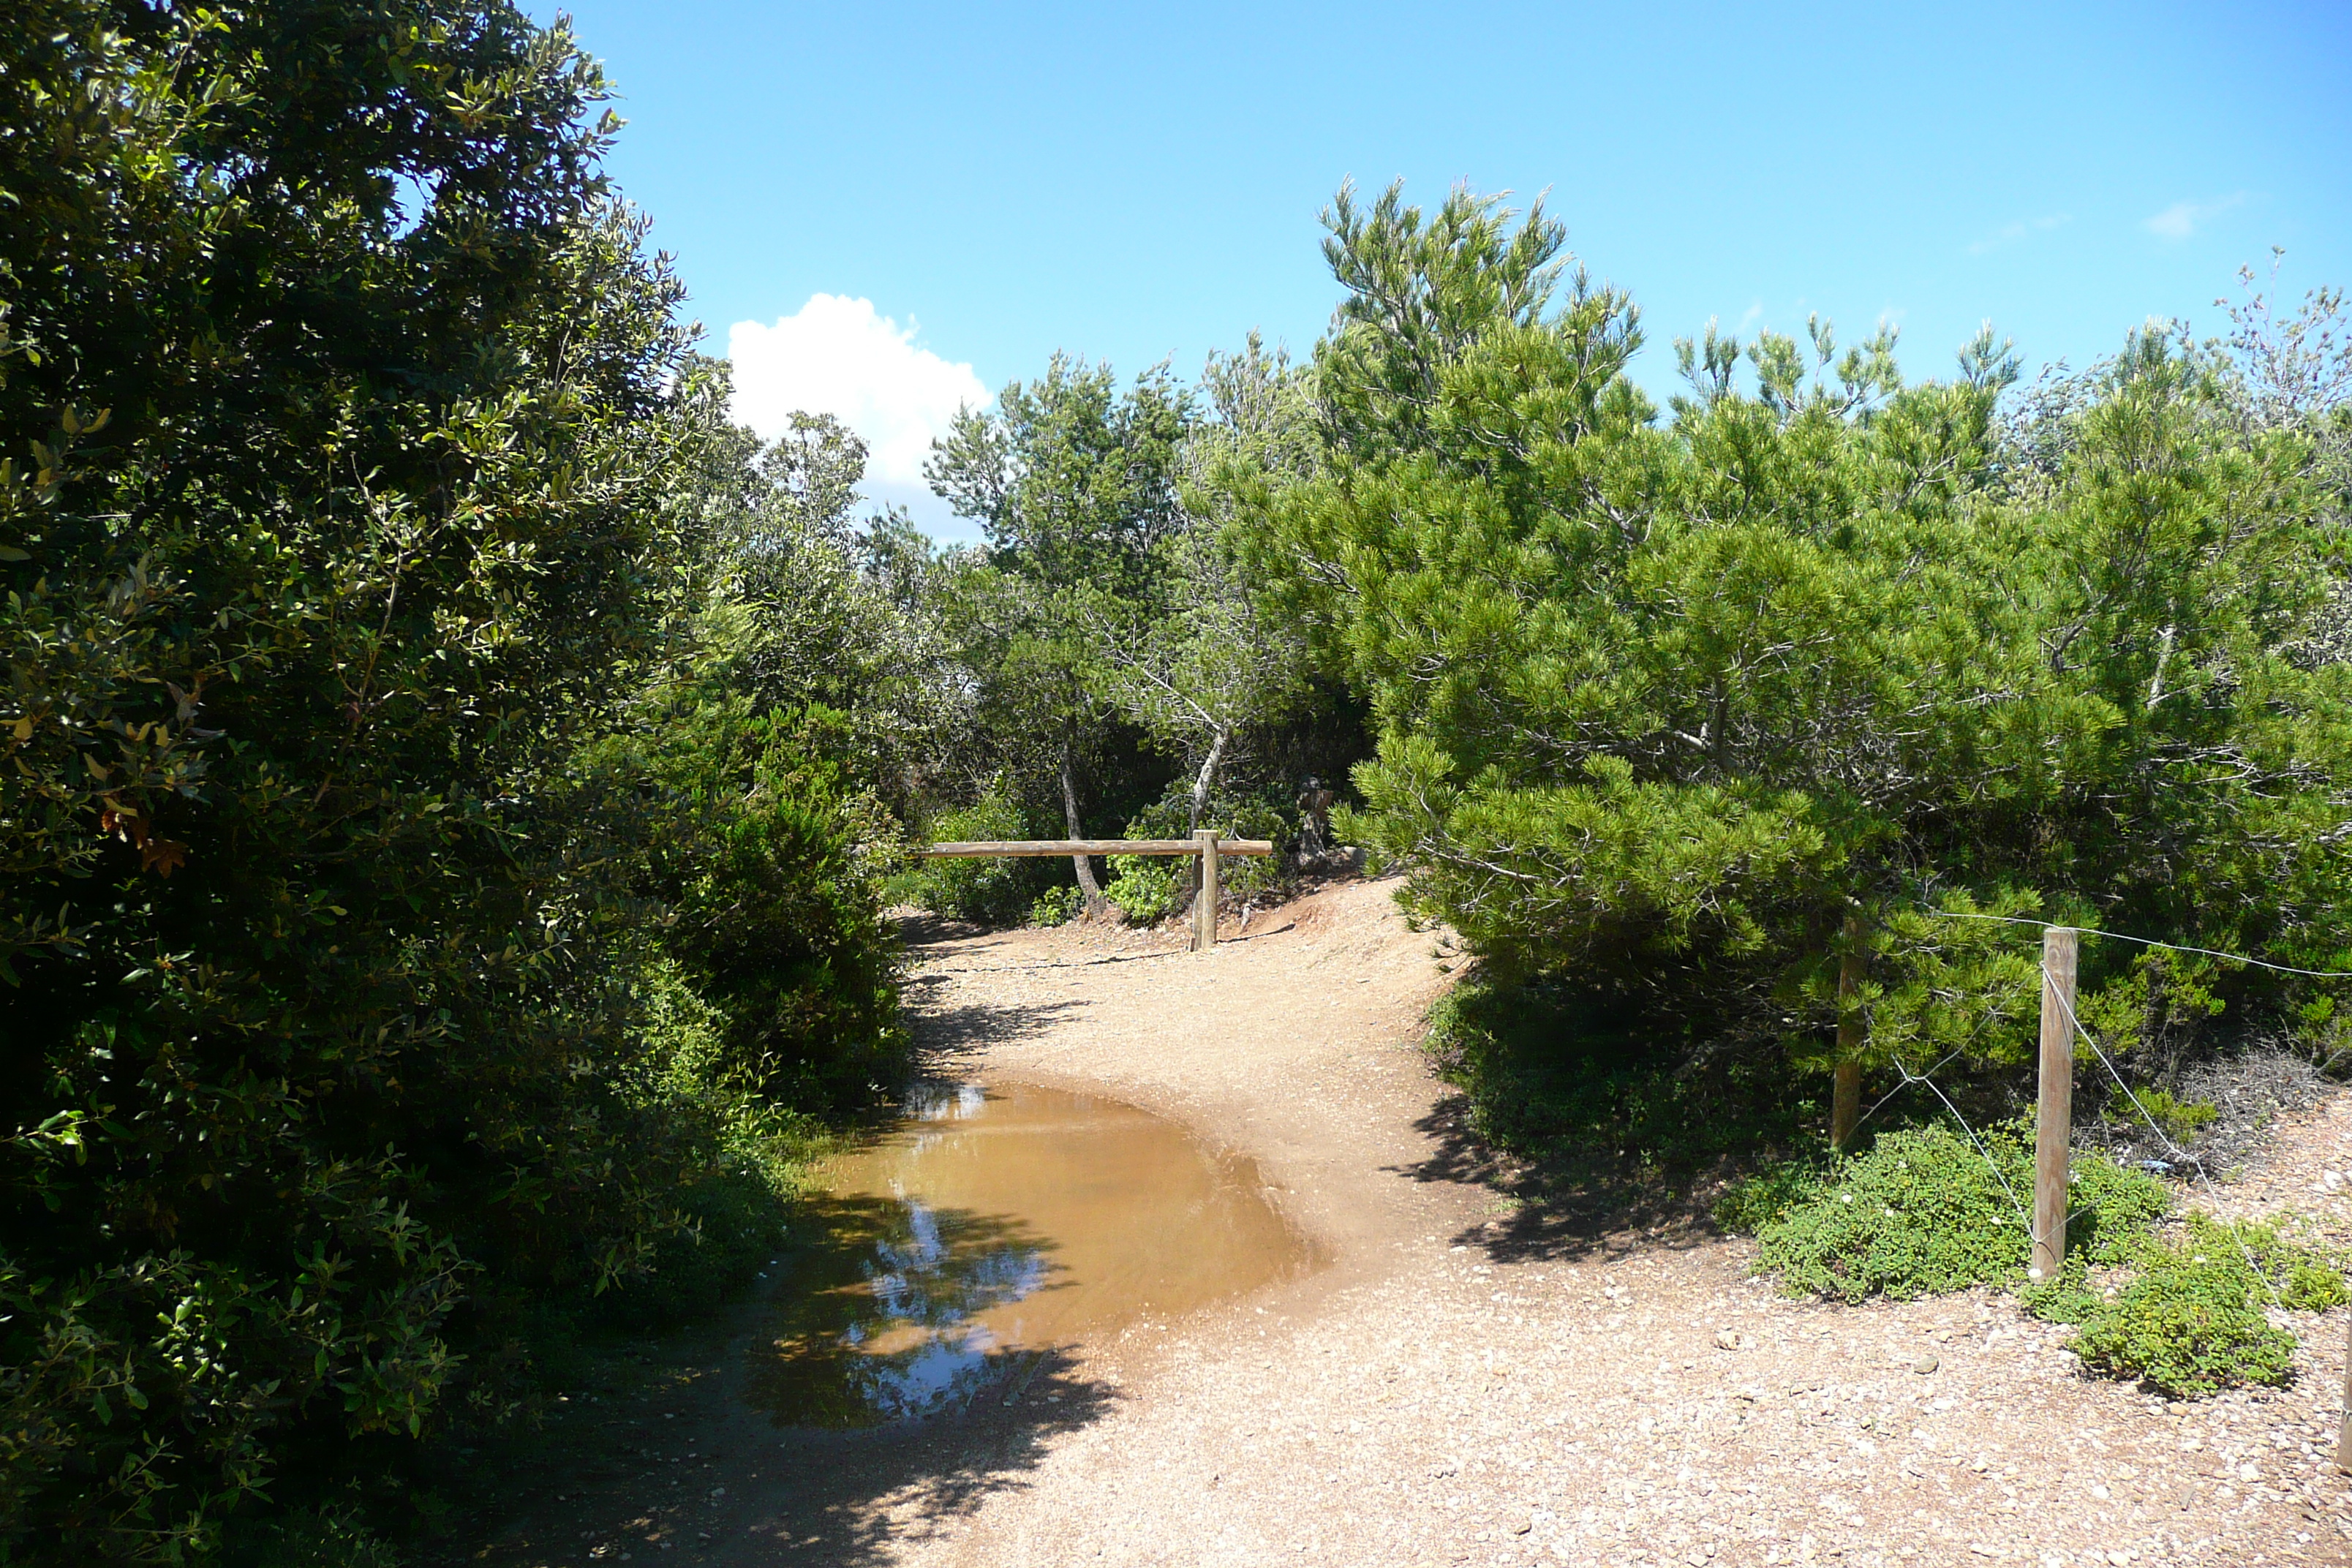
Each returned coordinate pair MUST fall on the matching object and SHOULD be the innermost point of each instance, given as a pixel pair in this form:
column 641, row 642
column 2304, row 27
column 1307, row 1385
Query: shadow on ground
column 757, row 1442
column 1565, row 1208
column 944, row 1032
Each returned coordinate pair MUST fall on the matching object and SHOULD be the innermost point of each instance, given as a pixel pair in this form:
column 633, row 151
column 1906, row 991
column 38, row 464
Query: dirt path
column 1461, row 1385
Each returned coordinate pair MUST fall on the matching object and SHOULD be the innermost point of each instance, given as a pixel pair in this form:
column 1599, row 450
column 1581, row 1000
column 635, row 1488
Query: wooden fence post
column 2344, row 1426
column 1204, row 903
column 1846, row 1100
column 2053, row 1122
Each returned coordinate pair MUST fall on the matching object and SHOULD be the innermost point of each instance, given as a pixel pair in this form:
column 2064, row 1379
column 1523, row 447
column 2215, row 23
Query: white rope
column 2145, row 942
column 1910, row 1078
column 2179, row 1154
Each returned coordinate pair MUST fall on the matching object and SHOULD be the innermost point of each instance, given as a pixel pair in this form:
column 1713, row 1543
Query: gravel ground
column 1457, row 1386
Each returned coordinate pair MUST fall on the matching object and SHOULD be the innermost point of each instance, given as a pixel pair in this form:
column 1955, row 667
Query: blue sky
column 971, row 188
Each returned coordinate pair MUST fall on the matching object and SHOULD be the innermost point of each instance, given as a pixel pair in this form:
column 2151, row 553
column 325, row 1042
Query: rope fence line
column 2061, row 1026
column 2144, row 941
column 2181, row 1156
column 2177, row 1155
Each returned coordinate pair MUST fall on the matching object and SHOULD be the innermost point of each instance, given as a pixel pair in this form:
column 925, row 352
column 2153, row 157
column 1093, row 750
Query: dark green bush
column 2189, row 1318
column 308, row 1538
column 1754, row 1200
column 759, row 854
column 1924, row 1212
column 338, row 839
column 1555, row 1069
column 996, row 892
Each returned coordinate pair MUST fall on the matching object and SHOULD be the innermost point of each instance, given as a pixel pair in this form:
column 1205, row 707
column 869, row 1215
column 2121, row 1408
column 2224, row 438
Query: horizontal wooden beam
column 1043, row 847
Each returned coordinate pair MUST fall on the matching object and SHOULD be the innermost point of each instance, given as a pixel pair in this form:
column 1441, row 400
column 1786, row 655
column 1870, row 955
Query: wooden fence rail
column 1058, row 846
column 1205, row 844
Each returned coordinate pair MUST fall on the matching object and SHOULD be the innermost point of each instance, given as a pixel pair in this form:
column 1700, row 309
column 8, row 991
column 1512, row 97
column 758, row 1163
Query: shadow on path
column 1563, row 1209
column 944, row 1030
column 740, row 1447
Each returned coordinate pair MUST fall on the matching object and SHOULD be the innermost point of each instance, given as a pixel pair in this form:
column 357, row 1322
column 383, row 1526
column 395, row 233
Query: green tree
column 360, row 528
column 1075, row 485
column 1698, row 707
column 1201, row 666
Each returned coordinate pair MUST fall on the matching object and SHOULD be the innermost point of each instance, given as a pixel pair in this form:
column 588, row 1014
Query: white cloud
column 2010, row 233
column 837, row 355
column 2182, row 219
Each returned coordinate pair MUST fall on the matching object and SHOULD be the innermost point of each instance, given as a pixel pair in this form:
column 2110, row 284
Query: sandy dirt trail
column 1463, row 1383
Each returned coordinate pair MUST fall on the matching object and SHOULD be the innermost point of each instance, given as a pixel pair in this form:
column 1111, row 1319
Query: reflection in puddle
column 989, row 1223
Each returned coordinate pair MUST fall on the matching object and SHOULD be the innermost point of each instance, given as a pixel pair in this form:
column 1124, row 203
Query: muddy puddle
column 993, row 1225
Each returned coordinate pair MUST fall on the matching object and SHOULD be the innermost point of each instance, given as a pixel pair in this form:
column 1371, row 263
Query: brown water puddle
column 994, row 1223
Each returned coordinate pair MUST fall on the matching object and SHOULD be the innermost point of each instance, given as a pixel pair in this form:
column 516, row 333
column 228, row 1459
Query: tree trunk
column 1846, row 1105
column 1201, row 783
column 1207, row 780
column 1086, row 870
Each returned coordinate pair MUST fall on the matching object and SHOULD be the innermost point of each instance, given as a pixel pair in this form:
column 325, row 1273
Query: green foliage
column 1055, row 906
column 755, row 848
column 1109, row 632
column 2178, row 1120
column 1146, row 888
column 313, row 1538
column 357, row 895
column 2305, row 1281
column 2192, row 1320
column 1254, row 816
column 1666, row 698
column 1924, row 1212
column 993, row 891
column 1573, row 1072
column 1764, row 1197
column 812, row 612
column 1074, row 482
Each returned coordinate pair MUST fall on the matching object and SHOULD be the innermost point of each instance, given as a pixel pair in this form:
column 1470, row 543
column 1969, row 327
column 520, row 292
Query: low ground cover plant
column 1924, row 1212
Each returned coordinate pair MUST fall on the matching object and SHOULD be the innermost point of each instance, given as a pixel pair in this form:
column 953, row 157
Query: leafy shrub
column 1550, row 1069
column 1923, row 1212
column 2178, row 1120
column 1149, row 888
column 1055, row 906
column 2191, row 1321
column 1755, row 1201
column 308, row 1538
column 338, row 835
column 759, row 855
column 1146, row 888
column 1256, row 816
column 2305, row 1280
column 997, row 891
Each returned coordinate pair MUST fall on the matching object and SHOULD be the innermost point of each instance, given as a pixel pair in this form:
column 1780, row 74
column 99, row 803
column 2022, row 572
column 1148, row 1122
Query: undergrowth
column 1556, row 1072
column 2189, row 1319
column 1000, row 891
column 1924, row 1213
